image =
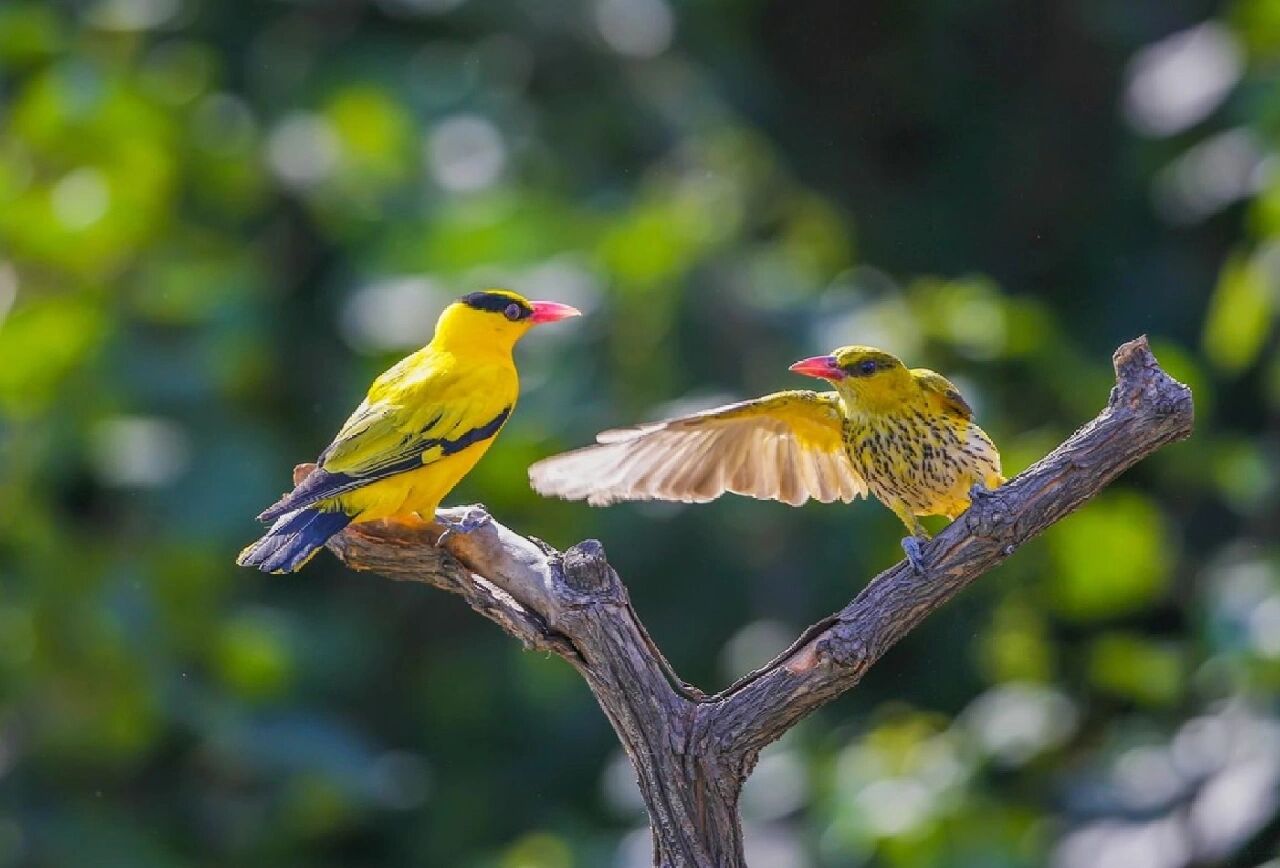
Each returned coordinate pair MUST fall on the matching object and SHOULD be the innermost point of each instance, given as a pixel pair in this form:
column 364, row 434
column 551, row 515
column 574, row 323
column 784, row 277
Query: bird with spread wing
column 904, row 435
column 423, row 426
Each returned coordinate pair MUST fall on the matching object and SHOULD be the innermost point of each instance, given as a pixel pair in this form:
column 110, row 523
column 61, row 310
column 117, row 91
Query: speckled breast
column 925, row 462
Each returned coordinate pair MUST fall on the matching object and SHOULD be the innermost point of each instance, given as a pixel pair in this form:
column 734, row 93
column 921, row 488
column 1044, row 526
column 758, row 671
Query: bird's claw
column 915, row 555
column 475, row 517
column 979, row 491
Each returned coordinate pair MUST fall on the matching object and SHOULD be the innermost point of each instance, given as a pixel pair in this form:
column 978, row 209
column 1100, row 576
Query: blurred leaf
column 41, row 342
column 1016, row 647
column 253, row 655
column 1135, row 668
column 1258, row 24
column 817, row 236
column 489, row 230
column 538, row 850
column 969, row 314
column 315, row 806
column 374, row 130
column 654, row 243
column 107, row 171
column 1110, row 558
column 179, row 71
column 29, row 31
column 192, row 280
column 1239, row 316
column 1246, row 474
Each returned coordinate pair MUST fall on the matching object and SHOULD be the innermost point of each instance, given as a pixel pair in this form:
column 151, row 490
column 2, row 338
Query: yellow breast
column 440, row 408
column 925, row 461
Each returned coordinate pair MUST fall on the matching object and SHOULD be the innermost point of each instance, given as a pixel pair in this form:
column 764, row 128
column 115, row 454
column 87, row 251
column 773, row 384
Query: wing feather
column 787, row 446
column 944, row 392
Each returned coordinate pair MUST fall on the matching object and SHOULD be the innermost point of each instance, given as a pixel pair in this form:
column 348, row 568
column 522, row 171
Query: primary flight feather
column 423, row 425
column 906, row 436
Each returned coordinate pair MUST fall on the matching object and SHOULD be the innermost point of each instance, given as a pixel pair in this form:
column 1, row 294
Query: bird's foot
column 915, row 555
column 473, row 518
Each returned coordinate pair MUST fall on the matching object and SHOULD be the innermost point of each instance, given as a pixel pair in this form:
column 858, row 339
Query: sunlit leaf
column 538, row 850
column 253, row 655
column 374, row 131
column 1246, row 474
column 1112, row 557
column 1016, row 647
column 40, row 343
column 1239, row 316
column 1137, row 669
column 28, row 31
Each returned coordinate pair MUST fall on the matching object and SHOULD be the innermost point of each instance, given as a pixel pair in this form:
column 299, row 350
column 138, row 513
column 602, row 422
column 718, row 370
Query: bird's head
column 496, row 318
column 870, row 377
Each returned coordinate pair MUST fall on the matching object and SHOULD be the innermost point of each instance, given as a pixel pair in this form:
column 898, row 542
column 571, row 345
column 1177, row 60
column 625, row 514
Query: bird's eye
column 512, row 312
column 867, row 368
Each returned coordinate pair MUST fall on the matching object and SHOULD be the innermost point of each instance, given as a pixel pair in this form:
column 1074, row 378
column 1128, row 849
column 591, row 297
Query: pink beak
column 551, row 311
column 822, row 367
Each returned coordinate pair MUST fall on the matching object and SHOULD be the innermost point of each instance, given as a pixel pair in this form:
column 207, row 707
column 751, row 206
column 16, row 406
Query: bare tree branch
column 692, row 752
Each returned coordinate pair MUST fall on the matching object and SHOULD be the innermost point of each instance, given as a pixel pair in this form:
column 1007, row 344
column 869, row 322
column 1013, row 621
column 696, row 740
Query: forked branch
column 692, row 751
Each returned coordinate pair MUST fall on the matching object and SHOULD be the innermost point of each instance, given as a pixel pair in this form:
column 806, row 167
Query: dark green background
column 220, row 220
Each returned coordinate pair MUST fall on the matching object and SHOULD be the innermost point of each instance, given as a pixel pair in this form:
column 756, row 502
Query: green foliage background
column 219, row 220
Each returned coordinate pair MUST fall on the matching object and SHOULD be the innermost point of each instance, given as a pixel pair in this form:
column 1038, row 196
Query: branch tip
column 1141, row 379
column 586, row 570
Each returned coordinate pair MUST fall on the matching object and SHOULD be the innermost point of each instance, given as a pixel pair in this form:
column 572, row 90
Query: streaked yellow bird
column 904, row 435
column 423, row 426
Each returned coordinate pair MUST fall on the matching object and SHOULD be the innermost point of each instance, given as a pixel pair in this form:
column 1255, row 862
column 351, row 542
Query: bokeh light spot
column 636, row 28
column 132, row 14
column 466, row 153
column 223, row 124
column 1179, row 80
column 1015, row 722
column 81, row 198
column 8, row 288
column 139, row 451
column 1209, row 177
column 303, row 149
column 395, row 313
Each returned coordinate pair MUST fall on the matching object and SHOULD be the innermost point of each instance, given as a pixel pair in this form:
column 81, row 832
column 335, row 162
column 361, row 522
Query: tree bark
column 692, row 752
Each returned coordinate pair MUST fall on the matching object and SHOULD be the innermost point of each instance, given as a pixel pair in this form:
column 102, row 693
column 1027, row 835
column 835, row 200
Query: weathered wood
column 692, row 752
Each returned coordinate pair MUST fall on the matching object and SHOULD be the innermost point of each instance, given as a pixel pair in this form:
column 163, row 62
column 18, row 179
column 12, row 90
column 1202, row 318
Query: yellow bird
column 423, row 426
column 904, row 435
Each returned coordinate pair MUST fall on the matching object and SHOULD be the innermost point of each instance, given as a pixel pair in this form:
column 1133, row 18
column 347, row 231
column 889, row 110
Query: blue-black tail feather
column 293, row 540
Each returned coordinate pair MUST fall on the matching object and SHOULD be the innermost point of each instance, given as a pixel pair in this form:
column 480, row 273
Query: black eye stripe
column 867, row 367
column 495, row 302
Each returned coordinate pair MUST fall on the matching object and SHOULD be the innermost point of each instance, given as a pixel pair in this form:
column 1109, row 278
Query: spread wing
column 943, row 391
column 786, row 446
column 433, row 415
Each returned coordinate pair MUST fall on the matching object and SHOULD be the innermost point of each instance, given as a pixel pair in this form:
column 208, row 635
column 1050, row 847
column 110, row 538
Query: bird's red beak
column 822, row 367
column 552, row 311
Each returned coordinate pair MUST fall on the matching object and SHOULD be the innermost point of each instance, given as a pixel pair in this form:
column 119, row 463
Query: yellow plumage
column 432, row 398
column 422, row 427
column 906, row 436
